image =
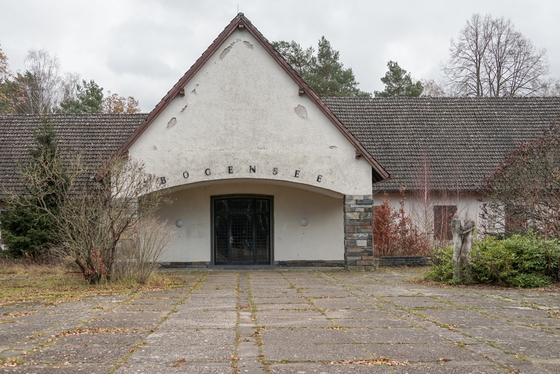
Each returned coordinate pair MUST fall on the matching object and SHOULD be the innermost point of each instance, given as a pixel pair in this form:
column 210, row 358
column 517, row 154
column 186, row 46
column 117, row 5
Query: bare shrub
column 395, row 234
column 99, row 212
column 138, row 254
column 423, row 201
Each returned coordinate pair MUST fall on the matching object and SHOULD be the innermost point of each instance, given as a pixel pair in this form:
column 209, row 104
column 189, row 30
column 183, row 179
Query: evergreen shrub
column 518, row 261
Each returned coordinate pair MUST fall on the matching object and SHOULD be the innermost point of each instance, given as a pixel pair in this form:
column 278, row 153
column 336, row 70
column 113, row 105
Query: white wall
column 467, row 204
column 321, row 239
column 242, row 117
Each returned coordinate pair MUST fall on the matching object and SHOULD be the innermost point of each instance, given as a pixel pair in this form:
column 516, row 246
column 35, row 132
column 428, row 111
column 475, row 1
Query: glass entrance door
column 242, row 230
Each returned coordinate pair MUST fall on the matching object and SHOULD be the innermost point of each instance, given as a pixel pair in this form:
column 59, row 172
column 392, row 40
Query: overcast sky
column 142, row 47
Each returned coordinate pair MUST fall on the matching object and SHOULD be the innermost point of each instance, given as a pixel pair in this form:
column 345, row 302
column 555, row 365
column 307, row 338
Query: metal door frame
column 271, row 228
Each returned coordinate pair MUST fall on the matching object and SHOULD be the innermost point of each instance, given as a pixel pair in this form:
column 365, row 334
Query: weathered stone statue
column 463, row 235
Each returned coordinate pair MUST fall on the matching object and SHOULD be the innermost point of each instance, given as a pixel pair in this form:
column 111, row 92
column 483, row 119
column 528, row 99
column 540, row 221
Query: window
column 514, row 224
column 442, row 221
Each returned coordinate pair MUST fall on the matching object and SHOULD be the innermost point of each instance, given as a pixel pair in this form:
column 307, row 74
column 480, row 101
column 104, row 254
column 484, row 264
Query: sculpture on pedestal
column 463, row 235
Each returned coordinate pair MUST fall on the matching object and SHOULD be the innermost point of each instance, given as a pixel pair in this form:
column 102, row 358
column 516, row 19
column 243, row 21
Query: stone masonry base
column 358, row 231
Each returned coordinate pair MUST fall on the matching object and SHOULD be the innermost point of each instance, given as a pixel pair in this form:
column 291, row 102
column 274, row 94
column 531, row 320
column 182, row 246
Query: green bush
column 527, row 280
column 517, row 261
column 441, row 269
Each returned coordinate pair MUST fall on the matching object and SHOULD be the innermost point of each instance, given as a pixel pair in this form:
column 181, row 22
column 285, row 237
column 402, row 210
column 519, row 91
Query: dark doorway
column 242, row 230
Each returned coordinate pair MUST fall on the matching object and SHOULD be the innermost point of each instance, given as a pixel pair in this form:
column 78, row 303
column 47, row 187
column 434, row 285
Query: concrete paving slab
column 551, row 324
column 310, row 321
column 214, row 305
column 169, row 355
column 289, row 336
column 163, row 307
column 342, row 303
column 28, row 328
column 518, row 312
column 372, row 323
column 393, row 335
column 360, row 314
column 279, row 300
column 423, row 352
column 532, row 349
column 190, row 319
column 420, row 302
column 100, row 339
column 277, row 307
column 107, row 323
column 460, row 318
column 315, row 352
column 66, row 368
column 450, row 368
column 292, row 318
column 507, row 334
column 207, row 368
column 42, row 318
column 309, row 368
column 206, row 337
column 80, row 354
column 142, row 315
column 10, row 339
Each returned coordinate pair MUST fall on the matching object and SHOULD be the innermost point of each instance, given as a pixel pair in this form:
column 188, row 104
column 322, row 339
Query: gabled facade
column 259, row 169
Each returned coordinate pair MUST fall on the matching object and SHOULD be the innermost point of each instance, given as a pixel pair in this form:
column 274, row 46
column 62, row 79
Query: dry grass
column 53, row 284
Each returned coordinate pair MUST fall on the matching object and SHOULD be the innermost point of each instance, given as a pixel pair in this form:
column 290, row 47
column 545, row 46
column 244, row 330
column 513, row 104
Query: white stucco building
column 258, row 166
column 261, row 171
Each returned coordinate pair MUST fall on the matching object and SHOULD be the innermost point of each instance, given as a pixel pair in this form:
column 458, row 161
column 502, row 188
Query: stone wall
column 404, row 261
column 358, row 231
column 303, row 263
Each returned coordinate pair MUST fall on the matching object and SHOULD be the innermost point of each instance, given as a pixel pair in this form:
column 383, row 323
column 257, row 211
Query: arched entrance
column 242, row 230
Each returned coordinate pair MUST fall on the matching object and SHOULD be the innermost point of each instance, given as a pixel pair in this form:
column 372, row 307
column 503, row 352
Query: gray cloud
column 142, row 47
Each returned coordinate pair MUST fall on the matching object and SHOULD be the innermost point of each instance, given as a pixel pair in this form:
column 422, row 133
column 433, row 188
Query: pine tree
column 399, row 83
column 27, row 229
column 89, row 99
column 324, row 72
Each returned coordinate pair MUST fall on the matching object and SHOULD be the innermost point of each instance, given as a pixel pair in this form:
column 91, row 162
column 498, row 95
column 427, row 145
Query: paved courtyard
column 291, row 321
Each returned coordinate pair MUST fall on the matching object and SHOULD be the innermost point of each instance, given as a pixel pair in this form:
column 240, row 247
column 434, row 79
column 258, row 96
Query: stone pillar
column 358, row 231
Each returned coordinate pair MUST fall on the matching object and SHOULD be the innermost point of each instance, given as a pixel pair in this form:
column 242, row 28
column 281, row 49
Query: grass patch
column 54, row 284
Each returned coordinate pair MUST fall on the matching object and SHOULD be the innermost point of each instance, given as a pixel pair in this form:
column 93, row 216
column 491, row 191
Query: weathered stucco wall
column 467, row 204
column 242, row 117
column 321, row 239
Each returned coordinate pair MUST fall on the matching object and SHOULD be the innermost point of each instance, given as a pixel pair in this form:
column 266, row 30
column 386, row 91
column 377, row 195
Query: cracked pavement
column 289, row 321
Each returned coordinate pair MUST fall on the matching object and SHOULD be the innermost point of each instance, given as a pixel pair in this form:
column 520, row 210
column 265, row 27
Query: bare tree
column 99, row 208
column 138, row 254
column 102, row 211
column 44, row 84
column 491, row 58
column 432, row 88
column 423, row 203
column 524, row 191
column 4, row 67
column 6, row 101
column 552, row 87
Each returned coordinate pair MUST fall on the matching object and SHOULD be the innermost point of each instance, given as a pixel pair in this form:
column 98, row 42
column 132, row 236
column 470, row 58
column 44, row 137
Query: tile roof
column 95, row 136
column 464, row 139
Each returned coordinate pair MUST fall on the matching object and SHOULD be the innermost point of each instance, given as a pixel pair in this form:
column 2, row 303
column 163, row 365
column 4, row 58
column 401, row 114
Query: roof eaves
column 238, row 22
